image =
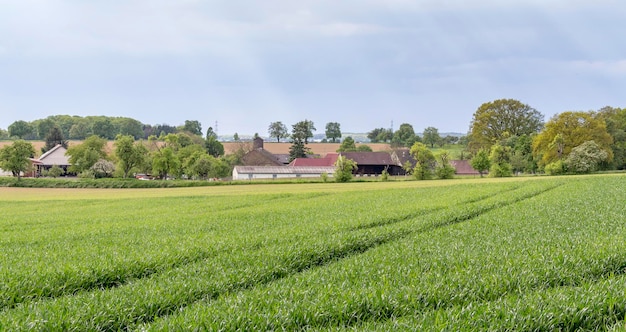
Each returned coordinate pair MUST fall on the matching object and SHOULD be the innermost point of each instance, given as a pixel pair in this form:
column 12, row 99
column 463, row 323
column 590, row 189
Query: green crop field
column 534, row 254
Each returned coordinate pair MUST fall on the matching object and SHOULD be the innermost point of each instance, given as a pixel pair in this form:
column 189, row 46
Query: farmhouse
column 53, row 157
column 280, row 172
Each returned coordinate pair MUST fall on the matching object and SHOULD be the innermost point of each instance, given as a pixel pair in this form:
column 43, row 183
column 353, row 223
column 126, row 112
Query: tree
column 236, row 137
column 43, row 127
column 431, row 136
column 165, row 162
column 380, row 135
column 86, row 154
column 214, row 147
column 344, row 168
column 481, row 162
column 15, row 157
column 502, row 118
column 193, row 126
column 277, row 130
column 53, row 138
column 103, row 169
column 80, row 130
column 198, row 164
column 444, row 170
column 130, row 154
column 568, row 130
column 347, row 145
column 333, row 131
column 303, row 130
column 586, row 157
column 424, row 161
column 297, row 149
column 210, row 133
column 299, row 135
column 404, row 136
column 500, row 159
column 364, row 148
column 132, row 127
column 615, row 119
column 21, row 129
column 104, row 128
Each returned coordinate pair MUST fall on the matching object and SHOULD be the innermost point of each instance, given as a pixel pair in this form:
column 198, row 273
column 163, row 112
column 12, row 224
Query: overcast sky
column 362, row 63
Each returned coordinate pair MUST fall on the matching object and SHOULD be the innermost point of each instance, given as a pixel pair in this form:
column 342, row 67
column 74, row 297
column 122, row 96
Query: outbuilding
column 280, row 172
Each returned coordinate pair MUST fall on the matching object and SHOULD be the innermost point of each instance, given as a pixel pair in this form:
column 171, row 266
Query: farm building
column 261, row 157
column 53, row 157
column 463, row 167
column 280, row 172
column 329, row 160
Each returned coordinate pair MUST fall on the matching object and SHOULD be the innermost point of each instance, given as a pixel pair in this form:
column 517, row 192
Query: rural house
column 53, row 157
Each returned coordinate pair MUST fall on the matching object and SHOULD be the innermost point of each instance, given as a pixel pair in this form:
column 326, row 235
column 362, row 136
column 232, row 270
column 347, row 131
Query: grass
column 482, row 254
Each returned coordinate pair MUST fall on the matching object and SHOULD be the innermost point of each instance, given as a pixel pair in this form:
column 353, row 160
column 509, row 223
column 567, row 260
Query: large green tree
column 165, row 162
column 130, row 154
column 424, row 161
column 21, row 129
column 615, row 119
column 431, row 136
column 132, row 127
column 497, row 120
column 43, row 127
column 15, row 157
column 380, row 135
column 500, row 159
column 333, row 131
column 193, row 126
column 568, row 130
column 405, row 136
column 277, row 130
column 104, row 128
column 480, row 162
column 348, row 145
column 303, row 130
column 83, row 156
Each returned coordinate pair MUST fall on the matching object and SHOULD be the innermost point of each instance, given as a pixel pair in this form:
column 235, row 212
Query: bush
column 55, row 171
column 445, row 171
column 501, row 170
column 384, row 176
column 344, row 168
column 324, row 177
column 555, row 168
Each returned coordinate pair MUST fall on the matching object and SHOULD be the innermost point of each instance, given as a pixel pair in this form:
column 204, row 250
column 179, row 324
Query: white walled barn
column 280, row 172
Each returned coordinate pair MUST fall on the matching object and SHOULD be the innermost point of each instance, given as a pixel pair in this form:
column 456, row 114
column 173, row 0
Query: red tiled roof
column 463, row 167
column 370, row 158
column 328, row 160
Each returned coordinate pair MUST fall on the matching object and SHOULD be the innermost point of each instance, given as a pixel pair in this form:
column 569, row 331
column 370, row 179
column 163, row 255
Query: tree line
column 507, row 137
column 79, row 128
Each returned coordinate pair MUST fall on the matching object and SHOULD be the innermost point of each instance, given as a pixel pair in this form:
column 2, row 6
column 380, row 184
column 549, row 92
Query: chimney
column 257, row 143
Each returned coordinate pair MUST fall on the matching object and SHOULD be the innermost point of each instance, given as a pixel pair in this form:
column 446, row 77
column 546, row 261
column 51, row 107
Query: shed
column 280, row 172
